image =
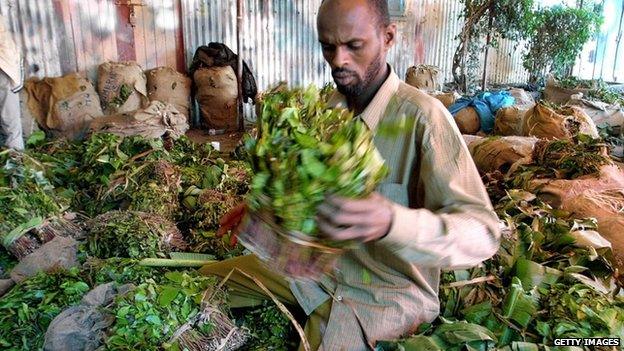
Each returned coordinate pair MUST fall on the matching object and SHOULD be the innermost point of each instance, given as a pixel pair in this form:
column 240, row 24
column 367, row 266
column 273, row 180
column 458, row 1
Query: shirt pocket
column 395, row 192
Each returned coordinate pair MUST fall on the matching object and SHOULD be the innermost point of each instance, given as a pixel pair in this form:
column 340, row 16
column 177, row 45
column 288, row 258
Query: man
column 11, row 79
column 433, row 211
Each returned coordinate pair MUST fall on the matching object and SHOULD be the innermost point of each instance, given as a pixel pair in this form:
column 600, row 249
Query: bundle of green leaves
column 26, row 195
column 305, row 151
column 132, row 234
column 28, row 309
column 551, row 278
column 147, row 317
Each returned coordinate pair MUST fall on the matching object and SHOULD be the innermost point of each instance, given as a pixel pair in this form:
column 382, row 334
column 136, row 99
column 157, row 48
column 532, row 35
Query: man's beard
column 358, row 86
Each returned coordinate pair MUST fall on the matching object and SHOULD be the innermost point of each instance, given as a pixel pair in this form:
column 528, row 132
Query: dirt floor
column 227, row 142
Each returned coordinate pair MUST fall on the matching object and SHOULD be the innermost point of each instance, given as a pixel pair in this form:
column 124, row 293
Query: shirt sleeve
column 457, row 227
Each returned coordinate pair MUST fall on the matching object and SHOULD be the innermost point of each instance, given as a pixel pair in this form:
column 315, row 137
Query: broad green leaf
column 518, row 305
column 167, row 295
column 533, row 274
column 175, row 277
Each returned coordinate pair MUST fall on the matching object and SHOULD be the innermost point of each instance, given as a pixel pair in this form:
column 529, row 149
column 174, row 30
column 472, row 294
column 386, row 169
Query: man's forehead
column 347, row 18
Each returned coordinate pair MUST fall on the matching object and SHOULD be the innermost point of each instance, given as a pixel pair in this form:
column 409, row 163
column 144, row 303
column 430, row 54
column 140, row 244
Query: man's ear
column 390, row 35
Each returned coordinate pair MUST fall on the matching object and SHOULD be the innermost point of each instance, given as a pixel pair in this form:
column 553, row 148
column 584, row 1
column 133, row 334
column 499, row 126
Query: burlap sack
column 596, row 203
column 423, row 77
column 501, row 153
column 558, row 95
column 154, row 121
column 607, row 206
column 563, row 123
column 122, row 87
column 63, row 106
column 168, row 85
column 468, row 120
column 509, row 121
column 601, row 113
column 561, row 191
column 217, row 92
column 447, row 99
column 523, row 100
column 612, row 229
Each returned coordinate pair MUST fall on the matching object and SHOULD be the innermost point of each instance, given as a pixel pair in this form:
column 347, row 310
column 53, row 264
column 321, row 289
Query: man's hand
column 362, row 219
column 231, row 223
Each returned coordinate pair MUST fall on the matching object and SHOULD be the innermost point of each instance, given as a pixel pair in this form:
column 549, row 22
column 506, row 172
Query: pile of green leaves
column 161, row 177
column 305, row 151
column 556, row 36
column 607, row 95
column 131, row 234
column 27, row 310
column 269, row 329
column 563, row 159
column 572, row 82
column 147, row 317
column 539, row 286
column 97, row 271
column 25, row 194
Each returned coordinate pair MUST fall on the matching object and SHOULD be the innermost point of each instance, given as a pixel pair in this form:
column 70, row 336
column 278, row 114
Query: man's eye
column 327, row 47
column 353, row 46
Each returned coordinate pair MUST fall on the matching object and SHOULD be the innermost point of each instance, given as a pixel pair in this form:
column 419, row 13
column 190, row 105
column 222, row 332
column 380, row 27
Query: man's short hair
column 380, row 7
column 381, row 11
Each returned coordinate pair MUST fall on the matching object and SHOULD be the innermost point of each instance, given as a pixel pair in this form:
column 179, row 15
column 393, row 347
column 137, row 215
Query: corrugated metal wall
column 280, row 40
column 63, row 36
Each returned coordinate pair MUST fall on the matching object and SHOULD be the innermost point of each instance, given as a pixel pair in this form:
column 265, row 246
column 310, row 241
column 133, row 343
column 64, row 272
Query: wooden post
column 239, row 73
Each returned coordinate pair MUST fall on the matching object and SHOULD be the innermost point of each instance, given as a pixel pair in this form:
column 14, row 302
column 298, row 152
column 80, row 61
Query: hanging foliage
column 486, row 23
column 556, row 36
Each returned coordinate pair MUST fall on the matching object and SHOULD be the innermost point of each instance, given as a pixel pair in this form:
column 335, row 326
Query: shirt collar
column 373, row 113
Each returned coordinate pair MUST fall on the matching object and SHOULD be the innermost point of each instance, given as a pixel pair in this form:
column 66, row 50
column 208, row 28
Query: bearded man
column 431, row 213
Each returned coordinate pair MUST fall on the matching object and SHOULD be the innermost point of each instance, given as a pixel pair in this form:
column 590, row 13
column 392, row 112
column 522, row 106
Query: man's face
column 354, row 44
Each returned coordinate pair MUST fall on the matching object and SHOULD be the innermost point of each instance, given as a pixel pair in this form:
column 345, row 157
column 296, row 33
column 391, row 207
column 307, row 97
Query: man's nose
column 341, row 58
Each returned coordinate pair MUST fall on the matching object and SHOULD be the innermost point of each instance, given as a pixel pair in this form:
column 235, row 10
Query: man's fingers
column 353, row 205
column 341, row 234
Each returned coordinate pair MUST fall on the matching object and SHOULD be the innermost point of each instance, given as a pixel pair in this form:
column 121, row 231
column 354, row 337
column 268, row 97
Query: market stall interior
column 147, row 124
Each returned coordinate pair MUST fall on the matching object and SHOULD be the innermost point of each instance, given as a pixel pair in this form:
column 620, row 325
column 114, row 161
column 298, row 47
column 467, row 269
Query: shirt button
column 339, row 297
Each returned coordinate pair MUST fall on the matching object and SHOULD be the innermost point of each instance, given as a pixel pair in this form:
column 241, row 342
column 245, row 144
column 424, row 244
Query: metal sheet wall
column 63, row 36
column 280, row 39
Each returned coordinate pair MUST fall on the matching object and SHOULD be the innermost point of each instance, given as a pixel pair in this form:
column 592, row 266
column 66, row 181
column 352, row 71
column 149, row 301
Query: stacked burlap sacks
column 154, row 121
column 423, row 77
column 562, row 123
column 217, row 93
column 502, row 154
column 478, row 113
column 63, row 106
column 168, row 85
column 509, row 119
column 122, row 87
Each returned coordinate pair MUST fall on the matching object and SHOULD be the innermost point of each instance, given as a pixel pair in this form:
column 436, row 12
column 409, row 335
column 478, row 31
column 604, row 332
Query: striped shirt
column 443, row 219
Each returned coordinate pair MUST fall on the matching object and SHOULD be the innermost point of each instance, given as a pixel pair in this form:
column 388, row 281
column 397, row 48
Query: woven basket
column 291, row 254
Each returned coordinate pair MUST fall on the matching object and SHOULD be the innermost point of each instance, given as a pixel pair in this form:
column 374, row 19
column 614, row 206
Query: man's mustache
column 342, row 71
